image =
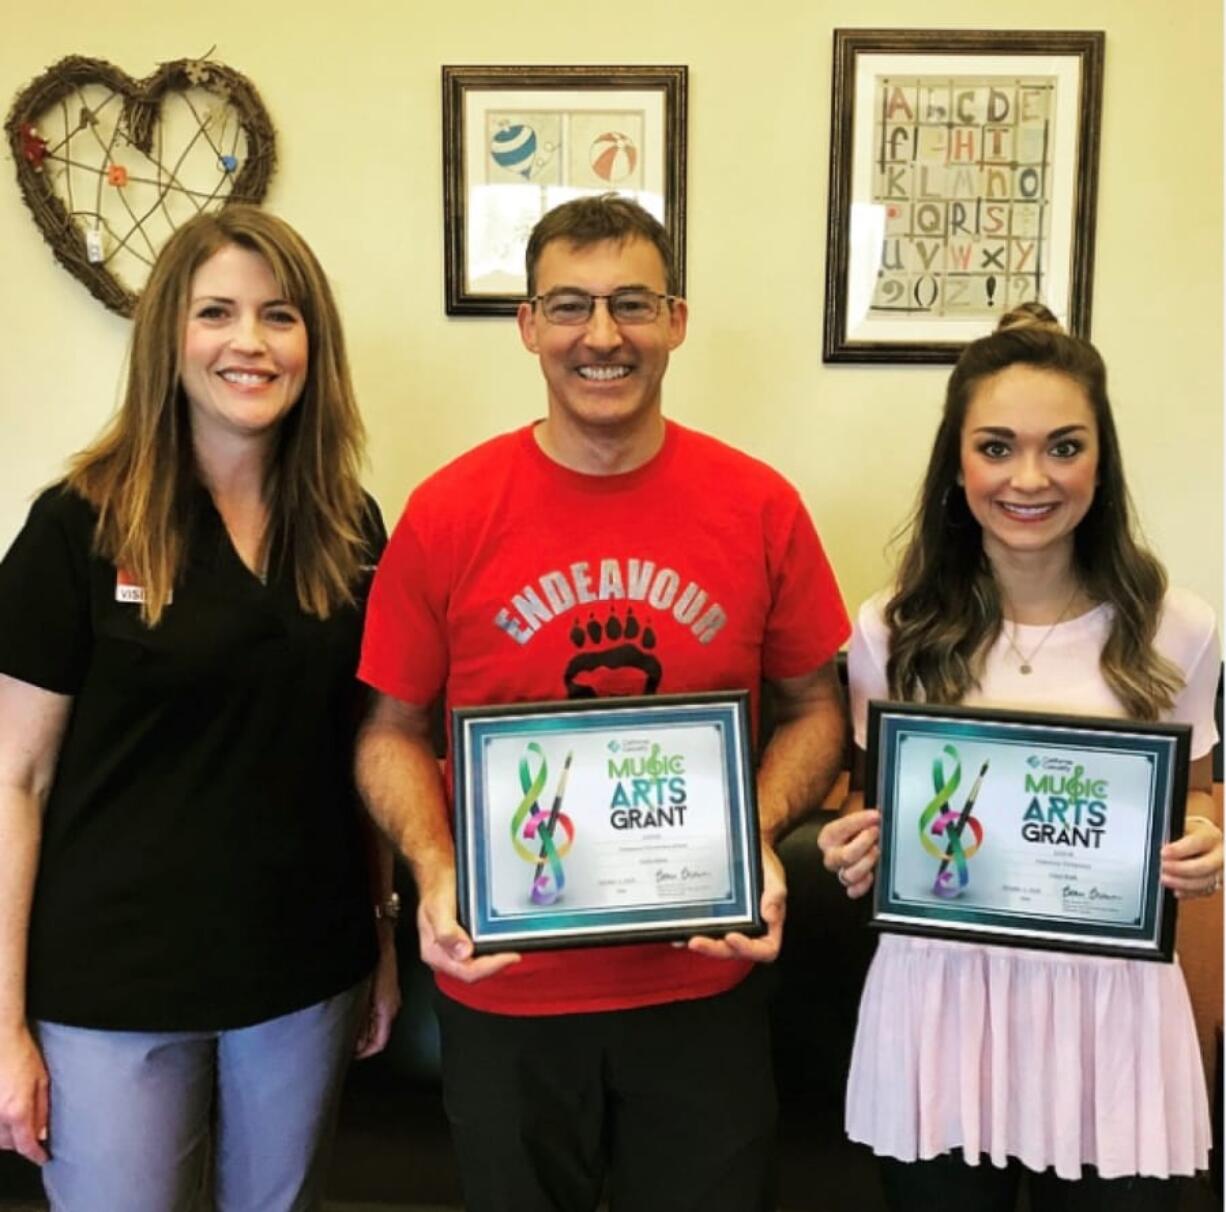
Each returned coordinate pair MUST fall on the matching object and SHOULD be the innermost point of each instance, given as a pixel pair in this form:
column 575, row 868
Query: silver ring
column 838, row 875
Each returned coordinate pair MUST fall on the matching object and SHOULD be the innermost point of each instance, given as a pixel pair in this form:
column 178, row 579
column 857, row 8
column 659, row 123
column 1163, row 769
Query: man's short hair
column 590, row 220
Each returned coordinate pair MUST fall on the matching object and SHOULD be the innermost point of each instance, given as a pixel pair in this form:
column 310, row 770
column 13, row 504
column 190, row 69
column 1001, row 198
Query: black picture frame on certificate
column 603, row 821
column 1060, row 820
column 963, row 181
column 519, row 140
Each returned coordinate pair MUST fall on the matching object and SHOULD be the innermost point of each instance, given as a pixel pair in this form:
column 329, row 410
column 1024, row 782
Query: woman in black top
column 183, row 860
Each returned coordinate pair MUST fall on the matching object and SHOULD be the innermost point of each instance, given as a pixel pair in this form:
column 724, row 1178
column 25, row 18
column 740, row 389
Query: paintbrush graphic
column 551, row 823
column 960, row 823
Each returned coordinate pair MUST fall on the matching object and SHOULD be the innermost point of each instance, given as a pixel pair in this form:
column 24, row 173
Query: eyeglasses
column 625, row 306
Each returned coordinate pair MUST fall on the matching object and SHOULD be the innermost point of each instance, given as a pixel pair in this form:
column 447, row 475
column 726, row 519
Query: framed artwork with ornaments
column 518, row 141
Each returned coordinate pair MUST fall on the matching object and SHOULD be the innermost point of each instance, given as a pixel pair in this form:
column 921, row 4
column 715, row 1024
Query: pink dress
column 1056, row 1059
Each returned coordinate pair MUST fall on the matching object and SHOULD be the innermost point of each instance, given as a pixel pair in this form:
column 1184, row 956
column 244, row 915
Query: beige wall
column 353, row 89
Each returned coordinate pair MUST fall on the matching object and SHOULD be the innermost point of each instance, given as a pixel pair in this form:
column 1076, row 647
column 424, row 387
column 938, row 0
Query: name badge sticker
column 127, row 590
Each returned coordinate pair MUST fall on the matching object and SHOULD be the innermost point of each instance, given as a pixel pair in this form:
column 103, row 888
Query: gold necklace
column 1026, row 663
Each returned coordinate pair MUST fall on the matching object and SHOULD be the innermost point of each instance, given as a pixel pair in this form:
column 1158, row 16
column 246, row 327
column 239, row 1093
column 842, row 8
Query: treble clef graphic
column 939, row 820
column 531, row 824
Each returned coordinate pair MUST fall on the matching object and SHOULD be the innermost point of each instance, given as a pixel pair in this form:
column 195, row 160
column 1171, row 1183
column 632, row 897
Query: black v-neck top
column 201, row 863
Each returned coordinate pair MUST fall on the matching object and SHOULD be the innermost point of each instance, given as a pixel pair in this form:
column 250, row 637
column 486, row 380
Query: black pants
column 676, row 1101
column 948, row 1184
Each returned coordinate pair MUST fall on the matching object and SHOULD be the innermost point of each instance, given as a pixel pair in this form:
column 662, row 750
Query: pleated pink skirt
column 1055, row 1059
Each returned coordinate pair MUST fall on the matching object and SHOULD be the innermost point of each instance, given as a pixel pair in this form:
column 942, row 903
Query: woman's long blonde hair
column 140, row 473
column 945, row 614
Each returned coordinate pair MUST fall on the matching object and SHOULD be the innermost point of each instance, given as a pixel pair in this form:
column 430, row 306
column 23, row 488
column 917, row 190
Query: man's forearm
column 798, row 768
column 399, row 779
column 400, row 782
column 805, row 752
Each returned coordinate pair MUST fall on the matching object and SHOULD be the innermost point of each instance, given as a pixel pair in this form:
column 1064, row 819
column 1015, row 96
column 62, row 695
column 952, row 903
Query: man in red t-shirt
column 602, row 551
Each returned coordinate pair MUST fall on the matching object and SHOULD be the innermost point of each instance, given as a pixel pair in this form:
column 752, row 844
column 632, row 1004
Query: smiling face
column 1029, row 459
column 603, row 378
column 245, row 348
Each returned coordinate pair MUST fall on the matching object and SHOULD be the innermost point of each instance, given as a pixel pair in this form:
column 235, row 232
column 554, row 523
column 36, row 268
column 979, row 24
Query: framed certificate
column 1024, row 828
column 606, row 821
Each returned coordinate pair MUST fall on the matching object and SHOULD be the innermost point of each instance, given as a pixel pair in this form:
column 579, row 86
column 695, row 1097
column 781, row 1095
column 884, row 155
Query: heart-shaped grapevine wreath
column 110, row 166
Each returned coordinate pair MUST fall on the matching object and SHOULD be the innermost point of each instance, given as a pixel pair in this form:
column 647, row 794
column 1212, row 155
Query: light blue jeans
column 132, row 1112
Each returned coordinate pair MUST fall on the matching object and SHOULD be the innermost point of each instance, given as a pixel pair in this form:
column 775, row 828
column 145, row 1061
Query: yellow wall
column 353, row 89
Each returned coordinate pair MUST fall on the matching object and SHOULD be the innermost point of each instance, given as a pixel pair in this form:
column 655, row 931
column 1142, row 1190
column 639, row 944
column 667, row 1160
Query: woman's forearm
column 32, row 724
column 20, row 833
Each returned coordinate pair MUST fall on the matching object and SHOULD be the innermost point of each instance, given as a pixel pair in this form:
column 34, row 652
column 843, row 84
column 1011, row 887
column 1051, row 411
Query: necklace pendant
column 1025, row 668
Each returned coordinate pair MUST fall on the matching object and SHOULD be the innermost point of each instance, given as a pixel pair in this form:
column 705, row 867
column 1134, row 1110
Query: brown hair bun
column 1033, row 315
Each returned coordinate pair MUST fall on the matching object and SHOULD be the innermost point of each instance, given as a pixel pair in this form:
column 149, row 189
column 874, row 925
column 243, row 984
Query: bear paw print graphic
column 614, row 657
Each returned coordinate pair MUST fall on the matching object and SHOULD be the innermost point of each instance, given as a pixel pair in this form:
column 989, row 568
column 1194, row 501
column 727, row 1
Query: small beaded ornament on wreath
column 110, row 166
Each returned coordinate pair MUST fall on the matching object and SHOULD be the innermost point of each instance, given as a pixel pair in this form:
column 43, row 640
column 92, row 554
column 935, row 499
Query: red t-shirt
column 503, row 554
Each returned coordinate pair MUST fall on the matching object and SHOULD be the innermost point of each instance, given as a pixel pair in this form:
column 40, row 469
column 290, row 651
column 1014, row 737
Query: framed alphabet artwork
column 963, row 178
